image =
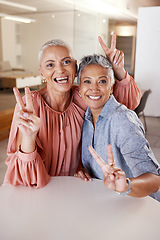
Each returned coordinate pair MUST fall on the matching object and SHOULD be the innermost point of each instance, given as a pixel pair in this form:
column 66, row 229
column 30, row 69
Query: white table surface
column 69, row 208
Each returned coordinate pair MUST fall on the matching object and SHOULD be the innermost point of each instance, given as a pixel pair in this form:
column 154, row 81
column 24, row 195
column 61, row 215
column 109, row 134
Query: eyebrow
column 61, row 59
column 99, row 77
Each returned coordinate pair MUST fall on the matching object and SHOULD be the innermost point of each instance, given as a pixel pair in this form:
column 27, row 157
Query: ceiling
column 117, row 10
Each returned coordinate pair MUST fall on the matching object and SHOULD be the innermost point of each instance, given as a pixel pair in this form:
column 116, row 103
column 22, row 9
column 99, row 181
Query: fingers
column 119, row 56
column 106, row 168
column 25, row 120
column 18, row 98
column 104, row 47
column 29, row 103
column 111, row 161
column 116, row 181
column 119, row 174
column 98, row 159
column 113, row 42
column 84, row 175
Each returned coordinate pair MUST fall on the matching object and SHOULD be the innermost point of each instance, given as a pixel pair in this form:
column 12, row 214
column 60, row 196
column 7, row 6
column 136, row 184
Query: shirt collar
column 109, row 107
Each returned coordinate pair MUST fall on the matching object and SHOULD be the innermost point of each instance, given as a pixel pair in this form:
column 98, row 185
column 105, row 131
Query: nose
column 59, row 68
column 94, row 87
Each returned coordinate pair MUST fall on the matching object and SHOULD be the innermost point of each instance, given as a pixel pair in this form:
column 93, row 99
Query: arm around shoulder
column 127, row 92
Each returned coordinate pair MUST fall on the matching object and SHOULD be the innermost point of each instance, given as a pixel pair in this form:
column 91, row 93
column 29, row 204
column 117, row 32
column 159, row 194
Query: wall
column 147, row 73
column 8, row 41
column 87, row 28
column 21, row 42
column 80, row 32
column 34, row 35
column 0, row 41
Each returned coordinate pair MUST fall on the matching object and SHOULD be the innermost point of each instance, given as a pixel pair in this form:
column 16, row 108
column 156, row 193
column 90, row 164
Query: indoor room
column 25, row 25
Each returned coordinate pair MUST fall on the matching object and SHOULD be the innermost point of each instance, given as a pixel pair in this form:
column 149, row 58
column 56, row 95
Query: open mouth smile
column 61, row 80
column 94, row 97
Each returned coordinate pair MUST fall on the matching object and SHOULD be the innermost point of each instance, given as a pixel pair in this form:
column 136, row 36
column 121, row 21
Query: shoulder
column 124, row 118
column 77, row 99
column 75, row 90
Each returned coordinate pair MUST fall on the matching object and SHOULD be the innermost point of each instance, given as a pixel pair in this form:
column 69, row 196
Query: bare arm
column 115, row 178
column 144, row 185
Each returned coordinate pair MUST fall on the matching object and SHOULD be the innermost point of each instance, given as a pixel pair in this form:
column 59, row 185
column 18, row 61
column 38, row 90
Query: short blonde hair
column 54, row 42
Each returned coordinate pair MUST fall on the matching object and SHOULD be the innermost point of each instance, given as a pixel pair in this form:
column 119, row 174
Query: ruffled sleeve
column 127, row 92
column 25, row 169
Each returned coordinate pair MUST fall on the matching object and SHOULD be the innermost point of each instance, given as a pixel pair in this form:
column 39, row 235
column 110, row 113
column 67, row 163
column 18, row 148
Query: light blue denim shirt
column 120, row 127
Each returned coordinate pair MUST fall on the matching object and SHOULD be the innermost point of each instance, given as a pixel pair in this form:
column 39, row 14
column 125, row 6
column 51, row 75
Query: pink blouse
column 58, row 143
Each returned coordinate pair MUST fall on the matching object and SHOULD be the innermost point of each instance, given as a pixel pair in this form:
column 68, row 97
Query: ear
column 112, row 88
column 111, row 92
column 76, row 68
column 41, row 74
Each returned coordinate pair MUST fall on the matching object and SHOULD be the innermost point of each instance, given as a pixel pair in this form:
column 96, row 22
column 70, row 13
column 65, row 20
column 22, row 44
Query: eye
column 103, row 81
column 67, row 62
column 50, row 65
column 87, row 81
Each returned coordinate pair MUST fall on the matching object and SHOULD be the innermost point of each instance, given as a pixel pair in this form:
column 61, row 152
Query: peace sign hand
column 26, row 119
column 114, row 177
column 115, row 56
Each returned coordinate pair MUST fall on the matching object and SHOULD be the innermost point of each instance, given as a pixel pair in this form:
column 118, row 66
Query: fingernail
column 25, row 114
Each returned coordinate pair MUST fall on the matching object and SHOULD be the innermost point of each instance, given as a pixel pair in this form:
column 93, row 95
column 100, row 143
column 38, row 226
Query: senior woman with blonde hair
column 45, row 136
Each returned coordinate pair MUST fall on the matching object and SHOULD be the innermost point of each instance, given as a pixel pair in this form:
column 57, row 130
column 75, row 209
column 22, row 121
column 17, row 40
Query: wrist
column 121, row 74
column 128, row 187
column 28, row 144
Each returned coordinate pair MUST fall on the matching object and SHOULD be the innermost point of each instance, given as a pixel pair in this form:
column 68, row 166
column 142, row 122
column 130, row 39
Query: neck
column 59, row 101
column 95, row 115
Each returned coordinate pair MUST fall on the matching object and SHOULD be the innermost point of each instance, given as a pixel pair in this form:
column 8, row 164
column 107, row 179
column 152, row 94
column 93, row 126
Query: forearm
column 127, row 92
column 120, row 74
column 144, row 185
column 25, row 143
column 28, row 143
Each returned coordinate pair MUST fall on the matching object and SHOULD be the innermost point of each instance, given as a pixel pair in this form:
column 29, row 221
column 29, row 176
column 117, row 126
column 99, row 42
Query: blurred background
column 26, row 24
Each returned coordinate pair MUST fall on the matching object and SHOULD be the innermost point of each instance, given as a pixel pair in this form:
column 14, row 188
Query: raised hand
column 114, row 177
column 26, row 119
column 115, row 56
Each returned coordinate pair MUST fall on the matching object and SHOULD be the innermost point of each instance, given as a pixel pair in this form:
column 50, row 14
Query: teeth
column 60, row 79
column 94, row 97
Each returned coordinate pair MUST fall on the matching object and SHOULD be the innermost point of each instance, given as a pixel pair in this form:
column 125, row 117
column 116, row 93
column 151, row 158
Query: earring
column 44, row 81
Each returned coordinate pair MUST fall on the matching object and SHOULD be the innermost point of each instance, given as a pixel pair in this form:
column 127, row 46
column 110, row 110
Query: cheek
column 72, row 70
column 82, row 88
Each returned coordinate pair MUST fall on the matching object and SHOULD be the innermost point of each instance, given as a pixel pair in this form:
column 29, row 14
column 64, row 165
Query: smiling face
column 58, row 68
column 95, row 86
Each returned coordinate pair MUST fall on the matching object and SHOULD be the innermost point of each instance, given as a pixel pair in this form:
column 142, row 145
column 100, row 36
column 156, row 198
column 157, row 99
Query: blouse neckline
column 70, row 104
